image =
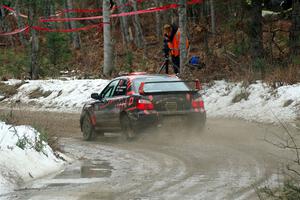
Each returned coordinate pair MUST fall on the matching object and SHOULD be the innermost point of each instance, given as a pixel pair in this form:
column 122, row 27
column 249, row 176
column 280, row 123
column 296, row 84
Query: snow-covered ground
column 21, row 162
column 57, row 95
column 256, row 102
column 23, row 156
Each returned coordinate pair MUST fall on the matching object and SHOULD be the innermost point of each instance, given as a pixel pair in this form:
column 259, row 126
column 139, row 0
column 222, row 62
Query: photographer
column 172, row 39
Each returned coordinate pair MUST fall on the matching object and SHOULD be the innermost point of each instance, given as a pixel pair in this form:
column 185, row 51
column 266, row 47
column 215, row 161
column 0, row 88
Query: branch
column 291, row 138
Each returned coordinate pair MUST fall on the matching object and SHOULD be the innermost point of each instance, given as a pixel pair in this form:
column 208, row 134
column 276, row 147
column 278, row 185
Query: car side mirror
column 95, row 96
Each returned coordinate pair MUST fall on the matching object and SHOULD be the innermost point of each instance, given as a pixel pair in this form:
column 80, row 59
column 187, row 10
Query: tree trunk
column 183, row 38
column 212, row 14
column 34, row 68
column 5, row 26
column 72, row 24
column 20, row 25
column 124, row 23
column 295, row 29
column 2, row 16
column 47, row 10
column 255, row 32
column 139, row 38
column 108, row 58
column 158, row 22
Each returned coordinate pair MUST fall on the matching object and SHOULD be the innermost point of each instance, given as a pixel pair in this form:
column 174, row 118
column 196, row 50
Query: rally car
column 135, row 102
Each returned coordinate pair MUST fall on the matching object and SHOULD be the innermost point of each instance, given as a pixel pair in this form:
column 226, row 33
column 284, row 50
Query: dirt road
column 226, row 161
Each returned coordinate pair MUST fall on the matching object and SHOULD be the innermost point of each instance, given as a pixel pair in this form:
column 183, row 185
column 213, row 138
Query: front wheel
column 129, row 132
column 88, row 130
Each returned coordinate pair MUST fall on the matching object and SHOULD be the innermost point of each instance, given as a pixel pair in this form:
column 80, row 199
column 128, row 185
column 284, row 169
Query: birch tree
column 108, row 58
column 183, row 36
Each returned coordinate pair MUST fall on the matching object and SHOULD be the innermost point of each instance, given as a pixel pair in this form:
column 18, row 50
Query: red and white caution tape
column 14, row 12
column 15, row 31
column 44, row 29
column 150, row 10
column 38, row 28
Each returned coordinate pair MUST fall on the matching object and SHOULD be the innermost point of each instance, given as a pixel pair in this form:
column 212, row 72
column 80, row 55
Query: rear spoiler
column 197, row 86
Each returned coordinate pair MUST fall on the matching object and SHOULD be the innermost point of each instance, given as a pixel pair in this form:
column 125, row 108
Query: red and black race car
column 139, row 101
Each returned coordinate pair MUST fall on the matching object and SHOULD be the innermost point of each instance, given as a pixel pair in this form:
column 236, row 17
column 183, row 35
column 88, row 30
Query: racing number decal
column 121, row 104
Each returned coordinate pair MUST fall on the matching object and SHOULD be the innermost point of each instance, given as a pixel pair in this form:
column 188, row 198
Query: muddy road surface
column 228, row 160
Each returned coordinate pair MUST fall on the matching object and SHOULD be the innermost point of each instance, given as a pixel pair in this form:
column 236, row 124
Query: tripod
column 165, row 65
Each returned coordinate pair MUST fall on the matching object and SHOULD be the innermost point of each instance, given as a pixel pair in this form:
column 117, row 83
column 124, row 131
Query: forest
column 234, row 40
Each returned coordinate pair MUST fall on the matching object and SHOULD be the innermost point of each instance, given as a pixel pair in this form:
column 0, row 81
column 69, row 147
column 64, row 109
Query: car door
column 105, row 108
column 120, row 100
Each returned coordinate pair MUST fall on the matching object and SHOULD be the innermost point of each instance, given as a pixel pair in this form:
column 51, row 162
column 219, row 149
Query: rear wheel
column 129, row 132
column 88, row 130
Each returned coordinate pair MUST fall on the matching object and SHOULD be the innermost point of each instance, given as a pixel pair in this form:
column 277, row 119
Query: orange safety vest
column 174, row 45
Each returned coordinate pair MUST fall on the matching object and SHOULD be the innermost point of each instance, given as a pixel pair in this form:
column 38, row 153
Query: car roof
column 140, row 76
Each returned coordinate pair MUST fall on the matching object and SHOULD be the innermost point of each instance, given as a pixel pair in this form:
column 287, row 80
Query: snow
column 256, row 102
column 20, row 163
column 64, row 96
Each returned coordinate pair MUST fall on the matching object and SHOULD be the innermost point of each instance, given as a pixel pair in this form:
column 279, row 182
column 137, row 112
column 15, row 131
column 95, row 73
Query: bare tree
column 183, row 36
column 140, row 41
column 2, row 16
column 72, row 24
column 108, row 58
column 34, row 66
column 20, row 24
column 124, row 23
column 5, row 27
column 213, row 20
column 295, row 29
column 158, row 21
column 255, row 29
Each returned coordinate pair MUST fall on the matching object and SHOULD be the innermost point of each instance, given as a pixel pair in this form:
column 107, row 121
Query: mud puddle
column 87, row 169
column 78, row 173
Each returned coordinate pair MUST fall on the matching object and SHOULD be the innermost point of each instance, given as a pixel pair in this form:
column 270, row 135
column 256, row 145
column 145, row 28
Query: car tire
column 129, row 132
column 88, row 130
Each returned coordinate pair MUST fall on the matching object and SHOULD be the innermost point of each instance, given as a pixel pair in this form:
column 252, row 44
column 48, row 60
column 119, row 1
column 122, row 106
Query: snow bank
column 64, row 96
column 23, row 156
column 256, row 102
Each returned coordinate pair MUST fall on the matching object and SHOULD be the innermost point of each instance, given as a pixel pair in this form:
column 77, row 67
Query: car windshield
column 164, row 84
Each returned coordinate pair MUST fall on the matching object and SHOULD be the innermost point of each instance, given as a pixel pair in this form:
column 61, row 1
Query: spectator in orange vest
column 172, row 35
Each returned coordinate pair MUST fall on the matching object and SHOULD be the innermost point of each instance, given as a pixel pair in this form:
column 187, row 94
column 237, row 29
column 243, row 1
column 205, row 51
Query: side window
column 121, row 88
column 109, row 90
